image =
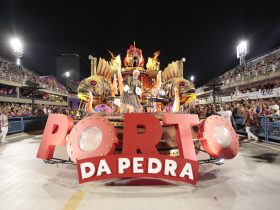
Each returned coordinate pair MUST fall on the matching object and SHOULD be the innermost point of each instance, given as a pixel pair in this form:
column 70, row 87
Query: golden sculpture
column 134, row 89
column 115, row 62
column 153, row 63
column 134, row 57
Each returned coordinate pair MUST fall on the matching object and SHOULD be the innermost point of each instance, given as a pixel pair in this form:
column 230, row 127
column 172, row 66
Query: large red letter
column 183, row 123
column 218, row 137
column 145, row 142
column 91, row 137
column 56, row 129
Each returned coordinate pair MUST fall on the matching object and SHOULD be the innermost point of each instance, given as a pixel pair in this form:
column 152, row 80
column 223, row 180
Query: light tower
column 242, row 51
column 183, row 60
column 93, row 64
column 17, row 48
column 67, row 74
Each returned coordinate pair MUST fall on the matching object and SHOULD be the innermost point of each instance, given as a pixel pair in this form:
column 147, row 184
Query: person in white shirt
column 227, row 114
column 3, row 125
column 275, row 107
column 45, row 110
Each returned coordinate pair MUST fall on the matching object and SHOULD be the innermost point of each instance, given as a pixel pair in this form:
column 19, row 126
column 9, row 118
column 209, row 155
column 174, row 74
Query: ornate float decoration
column 134, row 58
column 131, row 123
column 153, row 63
column 151, row 89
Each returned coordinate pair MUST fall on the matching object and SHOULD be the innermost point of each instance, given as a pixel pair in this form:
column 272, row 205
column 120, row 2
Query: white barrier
column 253, row 95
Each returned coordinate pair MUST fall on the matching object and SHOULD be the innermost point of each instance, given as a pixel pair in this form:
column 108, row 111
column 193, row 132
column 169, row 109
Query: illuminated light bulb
column 222, row 136
column 90, row 139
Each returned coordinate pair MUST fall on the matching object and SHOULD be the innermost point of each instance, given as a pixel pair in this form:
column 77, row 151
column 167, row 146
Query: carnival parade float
column 134, row 88
column 135, row 109
column 112, row 90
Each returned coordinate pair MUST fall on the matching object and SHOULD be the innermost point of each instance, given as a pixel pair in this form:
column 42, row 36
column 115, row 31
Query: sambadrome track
column 249, row 181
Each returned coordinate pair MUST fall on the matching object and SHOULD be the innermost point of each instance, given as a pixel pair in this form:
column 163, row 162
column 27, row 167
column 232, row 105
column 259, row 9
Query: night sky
column 204, row 32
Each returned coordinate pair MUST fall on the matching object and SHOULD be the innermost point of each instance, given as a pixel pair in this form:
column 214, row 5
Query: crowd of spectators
column 263, row 87
column 262, row 65
column 18, row 110
column 261, row 107
column 10, row 71
column 8, row 91
column 245, row 110
column 50, row 82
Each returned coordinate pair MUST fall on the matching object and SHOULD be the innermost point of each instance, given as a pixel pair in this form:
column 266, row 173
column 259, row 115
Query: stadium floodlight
column 192, row 78
column 18, row 61
column 17, row 46
column 242, row 51
column 67, row 74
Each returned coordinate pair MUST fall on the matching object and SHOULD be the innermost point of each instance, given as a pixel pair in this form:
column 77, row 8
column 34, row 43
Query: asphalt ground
column 249, row 181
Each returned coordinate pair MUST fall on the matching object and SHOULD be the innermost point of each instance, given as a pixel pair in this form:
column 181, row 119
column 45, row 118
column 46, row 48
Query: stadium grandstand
column 137, row 105
column 255, row 83
column 16, row 96
column 255, row 86
column 259, row 78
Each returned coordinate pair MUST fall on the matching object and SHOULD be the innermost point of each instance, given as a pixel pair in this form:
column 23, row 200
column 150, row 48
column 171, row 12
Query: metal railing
column 267, row 53
column 246, row 76
column 267, row 127
column 28, row 123
column 11, row 79
column 233, row 81
column 235, row 76
column 20, row 81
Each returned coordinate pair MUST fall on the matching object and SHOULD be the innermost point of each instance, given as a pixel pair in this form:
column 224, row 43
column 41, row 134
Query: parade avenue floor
column 249, row 181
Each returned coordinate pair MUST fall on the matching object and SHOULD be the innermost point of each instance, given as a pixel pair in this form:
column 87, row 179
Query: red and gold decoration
column 154, row 87
column 92, row 144
column 130, row 124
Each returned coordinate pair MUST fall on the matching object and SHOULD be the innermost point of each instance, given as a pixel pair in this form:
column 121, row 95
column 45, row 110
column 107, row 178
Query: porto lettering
column 92, row 142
